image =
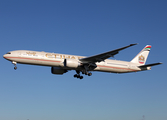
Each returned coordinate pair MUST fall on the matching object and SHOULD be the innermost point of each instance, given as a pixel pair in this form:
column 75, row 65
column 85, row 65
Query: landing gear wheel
column 75, row 75
column 89, row 74
column 15, row 67
column 78, row 76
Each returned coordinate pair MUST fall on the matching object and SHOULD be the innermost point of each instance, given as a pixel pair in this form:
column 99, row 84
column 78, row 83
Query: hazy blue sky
column 83, row 27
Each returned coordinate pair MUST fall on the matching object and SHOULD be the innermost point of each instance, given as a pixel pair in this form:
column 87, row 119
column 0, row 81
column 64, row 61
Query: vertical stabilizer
column 142, row 56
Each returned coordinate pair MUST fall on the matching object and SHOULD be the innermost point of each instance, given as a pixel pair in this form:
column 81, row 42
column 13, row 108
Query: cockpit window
column 8, row 53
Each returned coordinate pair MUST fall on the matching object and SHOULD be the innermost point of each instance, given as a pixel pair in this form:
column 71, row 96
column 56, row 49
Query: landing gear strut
column 15, row 67
column 86, row 71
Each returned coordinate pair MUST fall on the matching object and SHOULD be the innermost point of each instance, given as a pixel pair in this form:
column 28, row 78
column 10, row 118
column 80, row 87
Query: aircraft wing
column 149, row 65
column 103, row 56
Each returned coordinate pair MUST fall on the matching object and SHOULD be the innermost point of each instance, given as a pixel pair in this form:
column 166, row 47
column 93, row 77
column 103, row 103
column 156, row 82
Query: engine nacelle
column 71, row 63
column 58, row 70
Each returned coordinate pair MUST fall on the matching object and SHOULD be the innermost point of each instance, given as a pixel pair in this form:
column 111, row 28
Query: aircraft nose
column 4, row 56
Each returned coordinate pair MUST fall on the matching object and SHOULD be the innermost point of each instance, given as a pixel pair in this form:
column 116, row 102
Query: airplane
column 62, row 63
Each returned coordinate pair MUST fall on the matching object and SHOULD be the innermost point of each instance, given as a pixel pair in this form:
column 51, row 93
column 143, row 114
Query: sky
column 83, row 27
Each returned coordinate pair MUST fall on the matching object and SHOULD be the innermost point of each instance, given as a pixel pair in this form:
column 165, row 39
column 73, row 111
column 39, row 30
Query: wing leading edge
column 103, row 56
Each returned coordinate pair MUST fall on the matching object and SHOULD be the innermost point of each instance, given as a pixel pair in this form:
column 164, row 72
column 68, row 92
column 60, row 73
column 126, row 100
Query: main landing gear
column 78, row 75
column 87, row 73
column 83, row 72
column 15, row 63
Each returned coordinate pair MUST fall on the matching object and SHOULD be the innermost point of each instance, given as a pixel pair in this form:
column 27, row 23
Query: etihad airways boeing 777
column 62, row 63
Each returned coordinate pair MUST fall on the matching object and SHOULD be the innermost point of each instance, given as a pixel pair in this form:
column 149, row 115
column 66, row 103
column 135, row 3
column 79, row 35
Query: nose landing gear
column 15, row 63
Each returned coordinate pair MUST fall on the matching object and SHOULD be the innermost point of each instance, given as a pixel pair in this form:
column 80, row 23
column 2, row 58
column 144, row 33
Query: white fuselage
column 57, row 60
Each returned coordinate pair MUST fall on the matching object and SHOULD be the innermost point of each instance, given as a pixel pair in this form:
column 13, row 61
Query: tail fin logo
column 141, row 59
column 147, row 48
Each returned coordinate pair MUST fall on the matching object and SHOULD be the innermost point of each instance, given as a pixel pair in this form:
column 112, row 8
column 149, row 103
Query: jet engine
column 71, row 63
column 58, row 70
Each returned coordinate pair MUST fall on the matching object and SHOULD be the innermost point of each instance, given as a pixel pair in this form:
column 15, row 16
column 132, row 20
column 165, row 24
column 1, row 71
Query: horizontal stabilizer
column 149, row 65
